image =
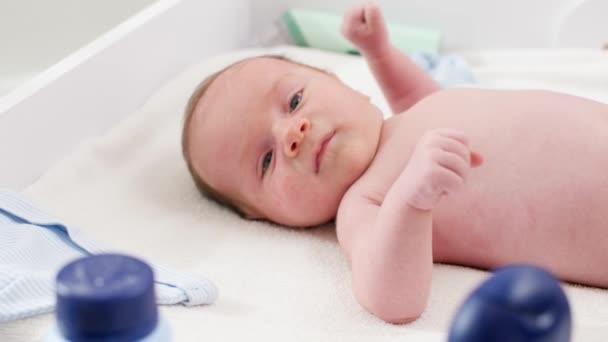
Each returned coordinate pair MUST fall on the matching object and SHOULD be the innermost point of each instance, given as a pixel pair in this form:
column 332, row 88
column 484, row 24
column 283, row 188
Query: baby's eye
column 266, row 162
column 295, row 101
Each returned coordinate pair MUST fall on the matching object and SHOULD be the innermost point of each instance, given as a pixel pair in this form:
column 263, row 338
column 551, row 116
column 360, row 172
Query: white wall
column 469, row 24
column 34, row 34
column 92, row 89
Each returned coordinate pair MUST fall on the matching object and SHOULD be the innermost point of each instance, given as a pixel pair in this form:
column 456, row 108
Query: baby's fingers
column 448, row 181
column 352, row 18
column 453, row 162
column 457, row 142
column 372, row 14
column 440, row 182
column 454, row 135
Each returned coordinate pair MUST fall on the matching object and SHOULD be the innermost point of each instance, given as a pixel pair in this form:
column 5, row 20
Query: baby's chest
column 531, row 142
column 529, row 191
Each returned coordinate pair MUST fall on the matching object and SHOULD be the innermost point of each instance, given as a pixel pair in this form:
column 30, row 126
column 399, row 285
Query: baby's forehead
column 248, row 78
column 238, row 89
column 265, row 62
column 258, row 68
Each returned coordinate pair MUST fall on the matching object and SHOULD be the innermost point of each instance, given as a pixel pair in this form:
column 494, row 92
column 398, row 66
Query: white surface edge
column 94, row 88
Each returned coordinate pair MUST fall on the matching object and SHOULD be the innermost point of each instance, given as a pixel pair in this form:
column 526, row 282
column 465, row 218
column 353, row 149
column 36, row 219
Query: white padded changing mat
column 130, row 189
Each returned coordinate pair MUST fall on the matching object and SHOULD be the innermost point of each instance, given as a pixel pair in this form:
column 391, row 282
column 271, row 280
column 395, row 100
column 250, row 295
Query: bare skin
column 539, row 197
column 474, row 177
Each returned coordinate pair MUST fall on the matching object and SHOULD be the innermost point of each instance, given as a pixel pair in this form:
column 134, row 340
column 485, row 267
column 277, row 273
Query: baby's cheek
column 282, row 188
column 289, row 191
column 302, row 202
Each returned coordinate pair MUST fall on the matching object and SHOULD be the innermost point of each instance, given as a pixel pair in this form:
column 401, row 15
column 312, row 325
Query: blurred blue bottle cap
column 106, row 297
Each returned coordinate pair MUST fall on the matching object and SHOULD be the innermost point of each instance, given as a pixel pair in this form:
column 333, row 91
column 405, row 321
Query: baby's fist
column 363, row 25
column 439, row 165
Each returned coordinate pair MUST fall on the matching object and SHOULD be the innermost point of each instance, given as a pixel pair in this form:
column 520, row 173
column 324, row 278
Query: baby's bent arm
column 390, row 250
column 403, row 83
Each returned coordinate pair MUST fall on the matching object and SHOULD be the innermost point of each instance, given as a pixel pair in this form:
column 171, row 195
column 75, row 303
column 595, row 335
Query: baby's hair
column 204, row 188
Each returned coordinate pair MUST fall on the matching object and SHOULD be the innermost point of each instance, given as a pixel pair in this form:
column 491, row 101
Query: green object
column 321, row 30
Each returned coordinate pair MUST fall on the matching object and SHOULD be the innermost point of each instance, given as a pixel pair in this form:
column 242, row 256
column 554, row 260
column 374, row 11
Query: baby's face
column 286, row 141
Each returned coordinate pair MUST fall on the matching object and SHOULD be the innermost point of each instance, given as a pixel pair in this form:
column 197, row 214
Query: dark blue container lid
column 107, row 297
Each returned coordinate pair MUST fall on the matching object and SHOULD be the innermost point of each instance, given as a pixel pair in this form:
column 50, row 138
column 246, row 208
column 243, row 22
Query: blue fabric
column 448, row 71
column 34, row 246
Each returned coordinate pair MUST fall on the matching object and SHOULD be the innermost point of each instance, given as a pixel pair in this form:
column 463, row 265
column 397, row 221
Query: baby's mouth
column 320, row 151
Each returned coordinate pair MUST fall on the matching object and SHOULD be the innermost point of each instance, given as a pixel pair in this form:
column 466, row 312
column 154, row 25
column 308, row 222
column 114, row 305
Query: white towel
column 277, row 284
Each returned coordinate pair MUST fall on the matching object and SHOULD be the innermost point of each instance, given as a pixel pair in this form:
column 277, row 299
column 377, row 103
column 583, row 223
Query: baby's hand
column 363, row 25
column 439, row 165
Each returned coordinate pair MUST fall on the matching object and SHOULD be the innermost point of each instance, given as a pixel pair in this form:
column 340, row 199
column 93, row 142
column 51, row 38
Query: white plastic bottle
column 107, row 297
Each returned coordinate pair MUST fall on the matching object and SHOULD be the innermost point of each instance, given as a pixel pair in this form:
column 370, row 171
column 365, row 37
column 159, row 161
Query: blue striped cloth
column 34, row 246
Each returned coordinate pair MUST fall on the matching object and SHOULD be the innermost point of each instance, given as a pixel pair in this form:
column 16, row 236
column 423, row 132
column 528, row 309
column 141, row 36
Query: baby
column 285, row 142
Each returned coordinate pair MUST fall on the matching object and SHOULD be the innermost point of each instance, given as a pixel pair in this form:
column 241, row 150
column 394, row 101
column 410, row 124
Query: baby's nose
column 294, row 136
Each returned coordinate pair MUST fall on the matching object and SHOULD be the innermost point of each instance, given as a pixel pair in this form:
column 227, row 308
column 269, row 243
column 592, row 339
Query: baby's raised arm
column 402, row 81
column 389, row 242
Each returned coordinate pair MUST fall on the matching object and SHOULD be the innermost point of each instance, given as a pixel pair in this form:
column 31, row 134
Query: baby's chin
column 308, row 222
column 308, row 217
